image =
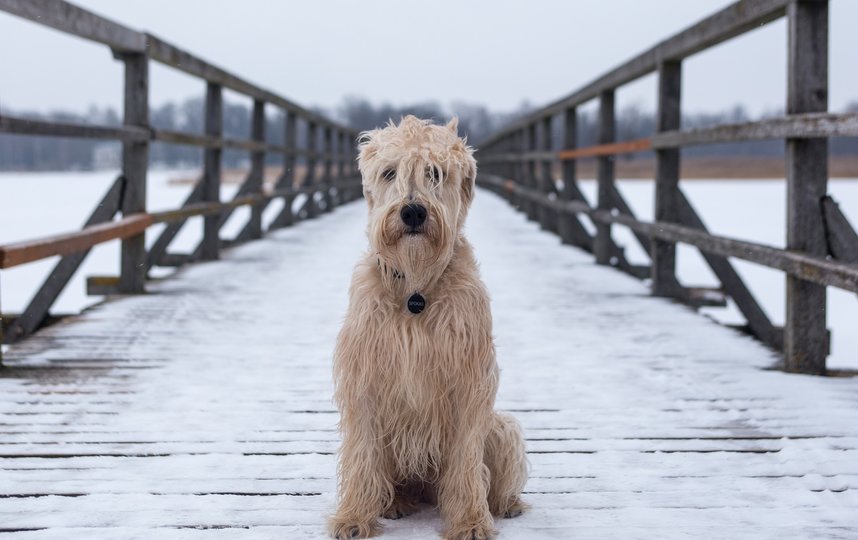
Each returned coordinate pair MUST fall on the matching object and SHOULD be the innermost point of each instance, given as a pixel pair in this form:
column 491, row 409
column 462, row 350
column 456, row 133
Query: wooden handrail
column 65, row 244
column 32, row 250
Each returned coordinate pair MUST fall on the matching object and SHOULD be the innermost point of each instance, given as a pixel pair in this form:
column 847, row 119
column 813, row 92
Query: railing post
column 805, row 335
column 603, row 243
column 257, row 166
column 212, row 170
column 548, row 217
column 569, row 227
column 327, row 171
column 135, row 162
column 668, row 118
column 343, row 194
column 532, row 180
column 310, row 178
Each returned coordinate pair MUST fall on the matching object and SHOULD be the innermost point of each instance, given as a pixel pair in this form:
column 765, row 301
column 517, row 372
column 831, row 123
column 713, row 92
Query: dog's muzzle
column 413, row 215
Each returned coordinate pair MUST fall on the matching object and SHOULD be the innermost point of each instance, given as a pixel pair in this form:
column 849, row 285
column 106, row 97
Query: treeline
column 475, row 120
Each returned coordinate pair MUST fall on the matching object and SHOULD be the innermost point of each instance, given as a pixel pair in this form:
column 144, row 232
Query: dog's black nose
column 413, row 215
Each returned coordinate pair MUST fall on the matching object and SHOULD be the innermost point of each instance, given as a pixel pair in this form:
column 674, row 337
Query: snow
column 203, row 410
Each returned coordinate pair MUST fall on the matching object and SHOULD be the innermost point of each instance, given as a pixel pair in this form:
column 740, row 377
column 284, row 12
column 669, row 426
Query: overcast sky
column 496, row 52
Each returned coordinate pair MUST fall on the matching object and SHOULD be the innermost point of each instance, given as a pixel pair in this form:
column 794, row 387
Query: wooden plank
column 63, row 244
column 135, row 163
column 758, row 322
column 808, row 267
column 841, row 237
column 611, row 149
column 605, row 177
column 73, row 20
column 735, row 19
column 39, row 306
column 191, row 139
column 668, row 118
column 806, row 337
column 212, row 170
column 25, row 126
column 792, row 126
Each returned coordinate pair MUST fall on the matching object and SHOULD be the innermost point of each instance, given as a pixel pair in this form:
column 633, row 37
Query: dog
column 414, row 366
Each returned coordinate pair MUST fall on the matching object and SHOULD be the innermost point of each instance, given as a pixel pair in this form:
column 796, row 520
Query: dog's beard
column 412, row 260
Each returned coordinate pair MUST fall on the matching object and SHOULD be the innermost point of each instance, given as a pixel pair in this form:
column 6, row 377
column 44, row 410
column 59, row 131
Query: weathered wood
column 311, row 207
column 806, row 337
column 794, row 125
column 531, row 179
column 547, row 217
column 808, row 267
column 605, row 177
column 625, row 147
column 257, row 167
column 71, row 19
column 159, row 248
column 668, row 118
column 135, row 163
column 327, row 167
column 287, row 179
column 102, row 285
column 571, row 229
column 39, row 307
column 841, row 237
column 63, row 244
column 163, row 52
column 212, row 170
column 731, row 21
column 25, row 126
column 758, row 322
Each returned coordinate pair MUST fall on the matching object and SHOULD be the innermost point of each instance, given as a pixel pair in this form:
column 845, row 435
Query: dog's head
column 418, row 181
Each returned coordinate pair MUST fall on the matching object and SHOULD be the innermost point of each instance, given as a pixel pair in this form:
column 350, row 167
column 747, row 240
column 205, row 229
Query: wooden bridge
column 202, row 407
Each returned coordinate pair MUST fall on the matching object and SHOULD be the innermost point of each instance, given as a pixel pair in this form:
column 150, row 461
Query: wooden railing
column 331, row 177
column 821, row 248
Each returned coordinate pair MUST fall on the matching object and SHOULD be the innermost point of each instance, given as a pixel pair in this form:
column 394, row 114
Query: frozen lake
column 38, row 204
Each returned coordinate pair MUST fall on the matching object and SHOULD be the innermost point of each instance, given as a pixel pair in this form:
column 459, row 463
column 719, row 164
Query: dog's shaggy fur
column 416, row 391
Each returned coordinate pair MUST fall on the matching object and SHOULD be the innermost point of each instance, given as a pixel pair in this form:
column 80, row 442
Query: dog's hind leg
column 507, row 462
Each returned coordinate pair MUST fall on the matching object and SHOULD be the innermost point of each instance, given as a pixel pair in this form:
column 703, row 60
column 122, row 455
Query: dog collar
column 416, row 303
column 383, row 268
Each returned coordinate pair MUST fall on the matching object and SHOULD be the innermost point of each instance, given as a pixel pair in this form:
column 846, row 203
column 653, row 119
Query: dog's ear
column 367, row 150
column 469, row 176
column 453, row 125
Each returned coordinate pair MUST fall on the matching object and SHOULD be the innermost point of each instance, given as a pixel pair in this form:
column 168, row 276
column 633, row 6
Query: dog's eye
column 389, row 175
column 434, row 174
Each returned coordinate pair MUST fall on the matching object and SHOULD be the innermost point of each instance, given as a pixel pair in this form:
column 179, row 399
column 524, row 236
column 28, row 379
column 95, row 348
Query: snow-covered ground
column 35, row 204
column 203, row 409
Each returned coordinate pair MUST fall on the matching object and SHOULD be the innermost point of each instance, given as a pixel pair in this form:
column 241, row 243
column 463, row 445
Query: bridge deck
column 203, row 409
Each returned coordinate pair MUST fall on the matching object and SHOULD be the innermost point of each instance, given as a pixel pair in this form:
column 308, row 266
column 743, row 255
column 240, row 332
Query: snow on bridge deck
column 202, row 410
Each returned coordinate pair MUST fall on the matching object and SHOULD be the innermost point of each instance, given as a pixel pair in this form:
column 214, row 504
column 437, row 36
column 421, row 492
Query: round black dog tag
column 416, row 303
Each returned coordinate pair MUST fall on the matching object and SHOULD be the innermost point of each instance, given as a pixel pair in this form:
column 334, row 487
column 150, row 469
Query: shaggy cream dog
column 414, row 366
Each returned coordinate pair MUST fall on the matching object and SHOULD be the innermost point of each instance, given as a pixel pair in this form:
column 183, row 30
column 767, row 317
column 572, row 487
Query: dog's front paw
column 515, row 509
column 480, row 531
column 347, row 529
